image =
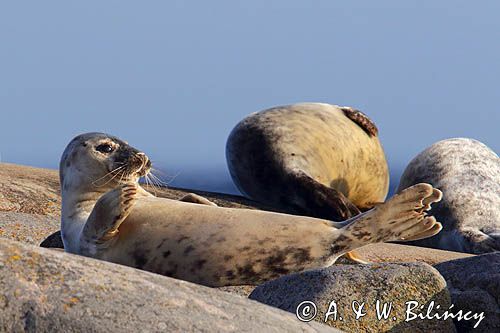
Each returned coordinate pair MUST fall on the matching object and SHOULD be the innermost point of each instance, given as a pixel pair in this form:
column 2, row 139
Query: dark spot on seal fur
column 161, row 243
column 302, row 255
column 338, row 248
column 188, row 249
column 230, row 275
column 182, row 238
column 343, row 238
column 166, row 254
column 247, row 272
column 199, row 263
column 262, row 251
column 268, row 239
column 171, row 271
column 228, row 257
column 140, row 257
column 276, row 259
column 221, row 239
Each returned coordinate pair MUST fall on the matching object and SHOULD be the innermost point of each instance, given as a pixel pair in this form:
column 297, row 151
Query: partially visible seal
column 311, row 159
column 107, row 215
column 468, row 172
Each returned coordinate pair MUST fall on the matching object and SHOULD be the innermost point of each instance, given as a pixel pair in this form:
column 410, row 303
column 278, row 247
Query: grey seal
column 107, row 215
column 311, row 159
column 468, row 173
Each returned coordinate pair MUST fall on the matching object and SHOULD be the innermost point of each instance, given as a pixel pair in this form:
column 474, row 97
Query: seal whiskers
column 112, row 173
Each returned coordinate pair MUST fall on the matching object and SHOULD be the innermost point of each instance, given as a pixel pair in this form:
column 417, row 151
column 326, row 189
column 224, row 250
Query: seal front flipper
column 317, row 200
column 198, row 199
column 361, row 119
column 109, row 212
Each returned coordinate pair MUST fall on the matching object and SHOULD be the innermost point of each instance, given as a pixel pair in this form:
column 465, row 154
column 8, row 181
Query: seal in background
column 468, row 173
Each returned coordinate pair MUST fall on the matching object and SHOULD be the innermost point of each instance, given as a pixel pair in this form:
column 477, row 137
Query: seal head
column 91, row 155
column 91, row 165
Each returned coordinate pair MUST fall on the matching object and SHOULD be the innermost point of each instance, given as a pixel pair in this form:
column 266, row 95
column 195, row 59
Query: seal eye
column 104, row 148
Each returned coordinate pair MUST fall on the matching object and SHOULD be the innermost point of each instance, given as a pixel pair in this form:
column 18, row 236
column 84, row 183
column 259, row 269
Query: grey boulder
column 43, row 290
column 474, row 285
column 349, row 286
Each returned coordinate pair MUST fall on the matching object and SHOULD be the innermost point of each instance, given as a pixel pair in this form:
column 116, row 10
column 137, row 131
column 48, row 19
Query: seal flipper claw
column 361, row 119
column 109, row 212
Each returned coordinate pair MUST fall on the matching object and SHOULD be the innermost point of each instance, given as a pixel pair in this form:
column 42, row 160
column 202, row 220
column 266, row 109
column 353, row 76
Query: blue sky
column 174, row 77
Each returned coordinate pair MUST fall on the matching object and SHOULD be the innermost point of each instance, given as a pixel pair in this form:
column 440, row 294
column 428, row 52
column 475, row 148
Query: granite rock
column 42, row 290
column 349, row 285
column 474, row 285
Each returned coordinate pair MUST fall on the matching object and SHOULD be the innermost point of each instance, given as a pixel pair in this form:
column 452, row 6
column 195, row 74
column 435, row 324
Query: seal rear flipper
column 315, row 199
column 400, row 218
column 361, row 120
column 109, row 212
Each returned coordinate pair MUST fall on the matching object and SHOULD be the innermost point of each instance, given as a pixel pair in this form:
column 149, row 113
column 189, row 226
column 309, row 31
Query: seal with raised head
column 469, row 174
column 311, row 159
column 107, row 215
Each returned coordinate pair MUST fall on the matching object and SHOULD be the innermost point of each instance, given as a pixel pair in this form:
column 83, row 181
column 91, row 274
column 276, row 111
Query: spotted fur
column 122, row 223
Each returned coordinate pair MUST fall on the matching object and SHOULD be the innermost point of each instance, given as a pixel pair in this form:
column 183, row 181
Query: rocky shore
column 45, row 289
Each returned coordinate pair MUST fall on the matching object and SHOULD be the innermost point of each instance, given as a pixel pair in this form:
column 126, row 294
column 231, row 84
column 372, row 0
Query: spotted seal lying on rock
column 107, row 215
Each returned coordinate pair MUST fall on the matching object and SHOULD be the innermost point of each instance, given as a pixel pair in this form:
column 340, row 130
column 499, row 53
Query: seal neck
column 77, row 204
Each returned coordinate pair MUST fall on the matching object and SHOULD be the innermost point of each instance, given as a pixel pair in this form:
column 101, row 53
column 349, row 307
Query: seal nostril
column 141, row 157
